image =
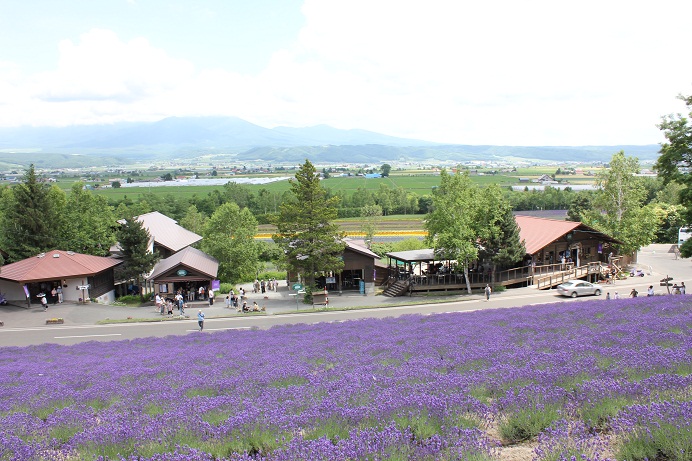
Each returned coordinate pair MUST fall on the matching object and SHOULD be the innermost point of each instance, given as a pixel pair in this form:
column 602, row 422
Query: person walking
column 180, row 300
column 201, row 293
column 488, row 290
column 54, row 295
column 211, row 296
column 59, row 290
column 159, row 303
column 44, row 302
column 634, row 293
column 200, row 319
column 682, row 288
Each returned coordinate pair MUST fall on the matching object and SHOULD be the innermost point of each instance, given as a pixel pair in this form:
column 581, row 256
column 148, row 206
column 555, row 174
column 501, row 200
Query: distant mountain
column 234, row 138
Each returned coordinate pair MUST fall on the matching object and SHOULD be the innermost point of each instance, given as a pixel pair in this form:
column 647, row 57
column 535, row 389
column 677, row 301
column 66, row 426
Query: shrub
column 130, row 300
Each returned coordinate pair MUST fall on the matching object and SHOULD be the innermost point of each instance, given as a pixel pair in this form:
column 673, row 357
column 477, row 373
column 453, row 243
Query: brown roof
column 166, row 231
column 189, row 257
column 56, row 264
column 355, row 246
column 536, row 233
column 539, row 232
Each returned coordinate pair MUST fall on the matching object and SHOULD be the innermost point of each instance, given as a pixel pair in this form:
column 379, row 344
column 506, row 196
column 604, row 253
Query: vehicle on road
column 574, row 288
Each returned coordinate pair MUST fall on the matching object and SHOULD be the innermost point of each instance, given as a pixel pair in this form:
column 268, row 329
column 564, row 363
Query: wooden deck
column 542, row 277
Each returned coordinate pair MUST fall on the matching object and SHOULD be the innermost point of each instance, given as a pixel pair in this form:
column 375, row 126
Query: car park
column 574, row 288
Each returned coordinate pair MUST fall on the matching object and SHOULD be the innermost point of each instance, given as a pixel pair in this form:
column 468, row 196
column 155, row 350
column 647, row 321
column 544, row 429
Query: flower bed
column 592, row 379
column 54, row 321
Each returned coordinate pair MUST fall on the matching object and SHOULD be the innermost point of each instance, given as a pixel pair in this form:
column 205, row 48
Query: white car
column 576, row 288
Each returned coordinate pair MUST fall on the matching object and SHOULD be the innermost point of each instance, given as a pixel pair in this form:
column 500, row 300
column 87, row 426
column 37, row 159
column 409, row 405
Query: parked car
column 576, row 288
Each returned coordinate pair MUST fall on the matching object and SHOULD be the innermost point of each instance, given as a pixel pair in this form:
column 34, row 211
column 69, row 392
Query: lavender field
column 578, row 380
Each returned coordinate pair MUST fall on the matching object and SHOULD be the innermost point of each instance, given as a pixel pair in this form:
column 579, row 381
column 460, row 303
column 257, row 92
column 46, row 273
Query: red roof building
column 67, row 269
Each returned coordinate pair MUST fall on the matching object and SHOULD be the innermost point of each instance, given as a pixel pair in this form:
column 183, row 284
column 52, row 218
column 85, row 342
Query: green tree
column 193, row 220
column 371, row 215
column 305, row 228
column 31, row 218
column 619, row 205
column 229, row 236
column 580, row 206
column 675, row 161
column 455, row 223
column 503, row 245
column 385, row 169
column 138, row 261
column 89, row 223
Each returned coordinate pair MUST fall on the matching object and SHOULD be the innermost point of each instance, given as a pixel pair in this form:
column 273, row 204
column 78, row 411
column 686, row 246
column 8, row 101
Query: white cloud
column 496, row 72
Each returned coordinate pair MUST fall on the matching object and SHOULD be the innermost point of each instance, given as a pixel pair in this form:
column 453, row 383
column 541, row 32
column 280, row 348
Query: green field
column 419, row 183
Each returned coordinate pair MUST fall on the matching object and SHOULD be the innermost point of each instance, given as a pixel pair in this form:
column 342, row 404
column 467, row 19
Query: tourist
column 158, row 302
column 488, row 290
column 200, row 319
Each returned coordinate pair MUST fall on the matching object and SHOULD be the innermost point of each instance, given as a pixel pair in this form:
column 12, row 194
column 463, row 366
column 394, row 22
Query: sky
column 499, row 72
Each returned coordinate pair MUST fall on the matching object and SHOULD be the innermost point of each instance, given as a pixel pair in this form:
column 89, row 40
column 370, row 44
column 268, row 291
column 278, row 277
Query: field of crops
column 419, row 184
column 590, row 380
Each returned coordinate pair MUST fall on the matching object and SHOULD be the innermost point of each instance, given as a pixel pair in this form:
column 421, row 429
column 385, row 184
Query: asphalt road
column 24, row 327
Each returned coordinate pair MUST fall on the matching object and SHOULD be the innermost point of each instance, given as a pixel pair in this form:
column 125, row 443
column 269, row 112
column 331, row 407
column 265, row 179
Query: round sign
column 182, row 272
column 297, row 286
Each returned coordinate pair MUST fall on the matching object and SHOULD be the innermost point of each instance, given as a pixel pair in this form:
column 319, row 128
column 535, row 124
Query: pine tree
column 134, row 243
column 31, row 217
column 305, row 231
column 504, row 246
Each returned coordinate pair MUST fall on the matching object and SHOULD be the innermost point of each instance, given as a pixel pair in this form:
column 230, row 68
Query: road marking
column 86, row 336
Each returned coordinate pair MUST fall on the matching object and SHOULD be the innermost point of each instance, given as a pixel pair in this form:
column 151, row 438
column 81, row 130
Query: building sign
column 182, row 272
column 215, row 284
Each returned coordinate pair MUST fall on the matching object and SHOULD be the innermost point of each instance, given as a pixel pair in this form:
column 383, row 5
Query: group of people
column 677, row 290
column 262, row 286
column 240, row 304
column 166, row 305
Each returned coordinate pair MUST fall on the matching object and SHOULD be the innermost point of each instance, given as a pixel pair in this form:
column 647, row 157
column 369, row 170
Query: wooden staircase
column 398, row 288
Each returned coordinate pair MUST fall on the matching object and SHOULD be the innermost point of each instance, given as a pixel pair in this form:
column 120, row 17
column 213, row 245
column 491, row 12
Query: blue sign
column 361, row 285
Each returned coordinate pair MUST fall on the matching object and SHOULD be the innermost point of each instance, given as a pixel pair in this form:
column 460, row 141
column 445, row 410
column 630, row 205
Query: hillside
column 230, row 139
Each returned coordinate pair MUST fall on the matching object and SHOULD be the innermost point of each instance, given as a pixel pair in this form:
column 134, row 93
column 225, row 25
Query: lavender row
column 412, row 387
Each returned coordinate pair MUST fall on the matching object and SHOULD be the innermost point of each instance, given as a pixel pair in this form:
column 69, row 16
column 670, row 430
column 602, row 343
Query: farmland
column 589, row 380
column 417, row 182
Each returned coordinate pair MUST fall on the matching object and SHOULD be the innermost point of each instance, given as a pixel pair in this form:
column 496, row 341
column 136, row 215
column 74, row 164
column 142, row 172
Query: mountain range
column 234, row 139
